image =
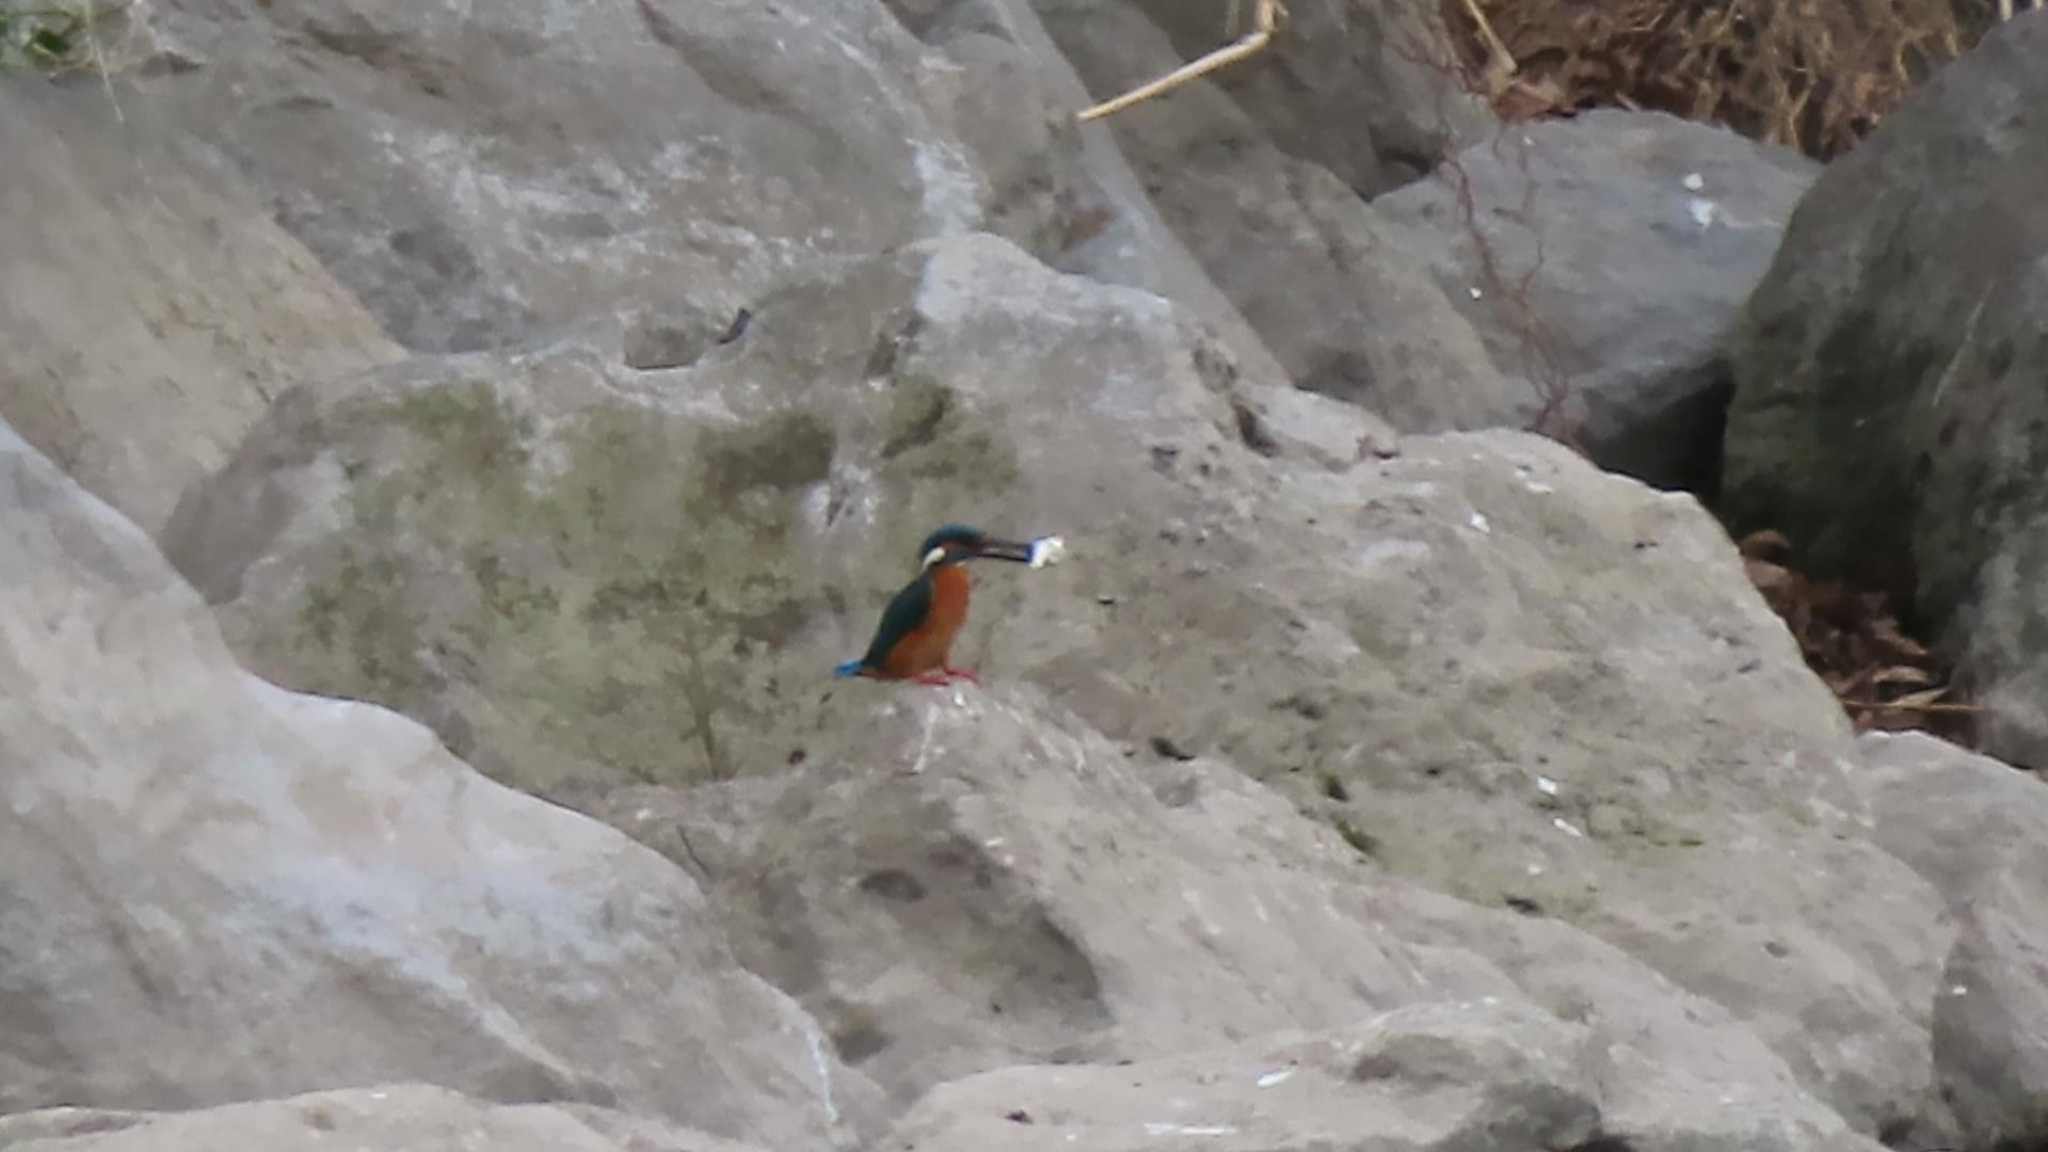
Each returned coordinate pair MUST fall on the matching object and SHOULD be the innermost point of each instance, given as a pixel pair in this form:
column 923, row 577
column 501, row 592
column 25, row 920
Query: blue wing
column 906, row 611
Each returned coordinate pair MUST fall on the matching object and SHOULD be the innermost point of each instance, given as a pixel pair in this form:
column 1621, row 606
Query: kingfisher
column 915, row 637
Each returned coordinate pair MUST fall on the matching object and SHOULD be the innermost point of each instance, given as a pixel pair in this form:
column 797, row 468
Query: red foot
column 946, row 675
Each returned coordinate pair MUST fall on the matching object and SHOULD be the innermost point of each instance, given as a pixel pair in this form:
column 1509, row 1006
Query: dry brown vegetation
column 1852, row 638
column 1816, row 75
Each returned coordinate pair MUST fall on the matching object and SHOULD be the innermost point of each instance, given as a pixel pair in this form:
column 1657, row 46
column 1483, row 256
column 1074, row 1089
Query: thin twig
column 1265, row 21
column 99, row 64
column 1501, row 61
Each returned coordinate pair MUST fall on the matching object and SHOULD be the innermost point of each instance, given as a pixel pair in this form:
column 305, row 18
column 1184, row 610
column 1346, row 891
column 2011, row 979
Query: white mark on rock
column 1479, row 524
column 1694, row 182
column 1157, row 1129
column 1278, row 1077
column 1380, row 552
column 1546, row 785
column 1565, row 826
column 1703, row 211
column 1538, row 487
column 992, row 842
column 924, row 746
column 824, row 1067
column 1534, row 869
column 1476, row 293
column 1959, row 990
column 643, row 815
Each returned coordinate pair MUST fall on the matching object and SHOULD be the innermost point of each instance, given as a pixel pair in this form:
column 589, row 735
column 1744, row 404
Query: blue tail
column 850, row 668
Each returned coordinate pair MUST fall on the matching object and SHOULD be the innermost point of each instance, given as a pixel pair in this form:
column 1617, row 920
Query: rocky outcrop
column 609, row 364
column 1340, row 297
column 480, row 177
column 1523, row 682
column 217, row 890
column 1978, row 831
column 1368, row 90
column 1604, row 260
column 1480, row 1076
column 391, row 1118
column 1888, row 415
column 151, row 309
column 909, row 889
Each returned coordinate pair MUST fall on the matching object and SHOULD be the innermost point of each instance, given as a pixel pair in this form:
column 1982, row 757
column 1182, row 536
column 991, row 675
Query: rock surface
column 392, row 1118
column 1366, row 89
column 1604, row 260
column 212, row 889
column 1978, row 831
column 1475, row 787
column 479, row 176
column 1531, row 684
column 911, row 892
column 1343, row 301
column 1888, row 415
column 151, row 308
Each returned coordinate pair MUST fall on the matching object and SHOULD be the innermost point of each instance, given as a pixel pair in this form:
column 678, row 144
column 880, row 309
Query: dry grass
column 1815, row 75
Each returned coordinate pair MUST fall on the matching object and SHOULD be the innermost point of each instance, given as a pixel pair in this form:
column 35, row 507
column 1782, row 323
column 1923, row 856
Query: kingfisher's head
column 957, row 544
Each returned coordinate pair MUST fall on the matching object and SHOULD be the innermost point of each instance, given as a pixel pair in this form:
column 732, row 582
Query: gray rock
column 574, row 574
column 1888, row 414
column 1465, row 1076
column 359, row 544
column 912, row 892
column 390, row 1118
column 1063, row 193
column 218, row 890
column 150, row 308
column 1978, row 830
column 1368, row 89
column 1604, row 260
column 1341, row 298
column 477, row 177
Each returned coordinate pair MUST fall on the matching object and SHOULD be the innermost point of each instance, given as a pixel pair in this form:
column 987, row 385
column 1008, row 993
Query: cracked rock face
column 911, row 891
column 1888, row 415
column 1515, row 679
column 219, row 890
column 544, row 398
column 392, row 1118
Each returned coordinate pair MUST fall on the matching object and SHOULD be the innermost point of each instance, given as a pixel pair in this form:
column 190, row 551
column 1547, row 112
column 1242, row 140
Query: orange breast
column 928, row 647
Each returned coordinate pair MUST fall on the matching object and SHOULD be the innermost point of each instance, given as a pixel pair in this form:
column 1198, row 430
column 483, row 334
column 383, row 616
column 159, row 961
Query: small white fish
column 1278, row 1077
column 1047, row 550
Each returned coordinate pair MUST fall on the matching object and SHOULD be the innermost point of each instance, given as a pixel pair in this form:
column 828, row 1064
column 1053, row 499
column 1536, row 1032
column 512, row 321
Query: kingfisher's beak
column 1022, row 553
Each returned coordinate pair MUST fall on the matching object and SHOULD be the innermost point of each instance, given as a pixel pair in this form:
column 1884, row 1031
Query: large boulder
column 1522, row 681
column 1888, row 415
column 1978, row 830
column 577, row 572
column 212, row 889
column 998, row 84
column 1468, row 1077
column 390, row 1118
column 1604, row 259
column 1342, row 299
column 149, row 306
column 1368, row 89
column 477, row 175
column 975, row 881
